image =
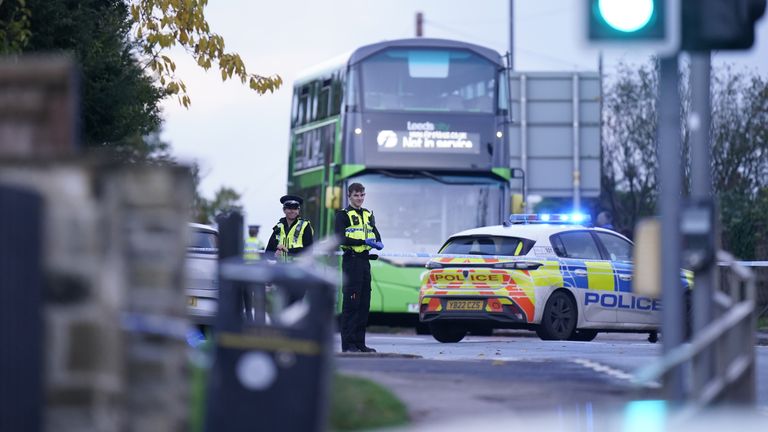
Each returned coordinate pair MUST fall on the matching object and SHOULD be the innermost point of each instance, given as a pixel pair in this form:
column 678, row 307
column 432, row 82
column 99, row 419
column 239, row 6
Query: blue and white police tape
column 429, row 255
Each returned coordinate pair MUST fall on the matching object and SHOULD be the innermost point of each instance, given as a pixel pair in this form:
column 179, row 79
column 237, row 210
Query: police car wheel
column 559, row 319
column 447, row 332
column 583, row 335
column 422, row 329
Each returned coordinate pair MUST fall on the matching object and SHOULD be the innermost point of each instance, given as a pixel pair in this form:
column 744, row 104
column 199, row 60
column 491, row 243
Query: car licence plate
column 464, row 305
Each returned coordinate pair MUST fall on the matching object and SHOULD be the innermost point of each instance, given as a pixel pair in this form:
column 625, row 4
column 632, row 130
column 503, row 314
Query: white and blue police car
column 552, row 273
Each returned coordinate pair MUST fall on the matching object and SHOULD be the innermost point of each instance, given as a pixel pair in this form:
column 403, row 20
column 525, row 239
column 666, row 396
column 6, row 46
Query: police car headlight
column 433, row 265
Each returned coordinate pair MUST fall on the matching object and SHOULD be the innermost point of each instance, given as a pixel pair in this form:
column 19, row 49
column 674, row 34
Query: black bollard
column 271, row 374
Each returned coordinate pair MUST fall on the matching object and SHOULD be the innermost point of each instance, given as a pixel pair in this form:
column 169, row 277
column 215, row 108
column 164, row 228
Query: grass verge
column 358, row 404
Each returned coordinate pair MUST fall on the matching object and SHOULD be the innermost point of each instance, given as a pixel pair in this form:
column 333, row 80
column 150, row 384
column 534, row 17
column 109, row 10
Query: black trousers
column 357, row 299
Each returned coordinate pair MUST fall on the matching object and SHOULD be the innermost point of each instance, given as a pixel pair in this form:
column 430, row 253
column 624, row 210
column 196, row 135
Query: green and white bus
column 421, row 123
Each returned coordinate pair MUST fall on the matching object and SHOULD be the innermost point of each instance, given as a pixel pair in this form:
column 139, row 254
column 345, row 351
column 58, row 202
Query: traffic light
column 720, row 24
column 648, row 24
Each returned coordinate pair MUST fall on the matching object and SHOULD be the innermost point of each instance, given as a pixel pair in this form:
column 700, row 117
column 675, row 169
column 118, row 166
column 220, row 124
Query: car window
column 487, row 245
column 202, row 242
column 577, row 244
column 618, row 248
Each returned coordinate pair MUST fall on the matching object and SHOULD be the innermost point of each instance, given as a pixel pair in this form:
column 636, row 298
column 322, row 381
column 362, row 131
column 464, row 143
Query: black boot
column 364, row 348
column 351, row 348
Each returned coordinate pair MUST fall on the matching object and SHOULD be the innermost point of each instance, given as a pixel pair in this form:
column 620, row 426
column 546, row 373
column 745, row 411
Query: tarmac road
column 514, row 374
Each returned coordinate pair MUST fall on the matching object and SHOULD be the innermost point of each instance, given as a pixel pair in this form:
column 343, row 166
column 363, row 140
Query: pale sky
column 241, row 139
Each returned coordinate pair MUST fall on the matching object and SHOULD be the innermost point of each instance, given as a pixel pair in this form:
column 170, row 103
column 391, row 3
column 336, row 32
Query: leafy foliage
column 14, row 25
column 119, row 102
column 159, row 25
column 162, row 24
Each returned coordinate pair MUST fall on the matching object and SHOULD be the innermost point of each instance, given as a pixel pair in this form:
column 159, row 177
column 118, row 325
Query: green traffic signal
column 626, row 16
column 635, row 24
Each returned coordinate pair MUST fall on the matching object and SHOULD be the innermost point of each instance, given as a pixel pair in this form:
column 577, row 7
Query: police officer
column 292, row 234
column 356, row 228
column 252, row 244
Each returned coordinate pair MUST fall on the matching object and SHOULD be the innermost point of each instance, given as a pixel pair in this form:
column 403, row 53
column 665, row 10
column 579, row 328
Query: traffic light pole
column 701, row 190
column 670, row 180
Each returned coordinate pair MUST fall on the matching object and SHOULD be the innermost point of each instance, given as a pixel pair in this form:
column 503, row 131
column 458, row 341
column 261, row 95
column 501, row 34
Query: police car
column 551, row 273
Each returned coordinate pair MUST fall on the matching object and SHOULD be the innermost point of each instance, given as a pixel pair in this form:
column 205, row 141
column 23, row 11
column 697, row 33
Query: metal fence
column 721, row 357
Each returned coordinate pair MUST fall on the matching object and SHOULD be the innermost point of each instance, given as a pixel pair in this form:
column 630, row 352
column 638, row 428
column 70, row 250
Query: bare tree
column 629, row 143
column 739, row 135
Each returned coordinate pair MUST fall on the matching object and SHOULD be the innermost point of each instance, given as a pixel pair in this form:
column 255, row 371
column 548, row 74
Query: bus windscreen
column 428, row 80
column 418, row 214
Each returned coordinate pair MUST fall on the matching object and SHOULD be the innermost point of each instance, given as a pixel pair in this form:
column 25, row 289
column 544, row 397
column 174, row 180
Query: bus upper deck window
column 428, row 64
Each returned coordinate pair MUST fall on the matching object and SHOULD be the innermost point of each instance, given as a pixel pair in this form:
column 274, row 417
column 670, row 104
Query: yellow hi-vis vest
column 252, row 248
column 295, row 236
column 359, row 229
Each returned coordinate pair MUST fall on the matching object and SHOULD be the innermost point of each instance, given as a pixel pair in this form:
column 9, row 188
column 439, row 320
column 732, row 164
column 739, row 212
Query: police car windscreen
column 486, row 245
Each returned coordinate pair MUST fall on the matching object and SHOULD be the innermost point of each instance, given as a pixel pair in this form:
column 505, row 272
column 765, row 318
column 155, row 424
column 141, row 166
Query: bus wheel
column 559, row 319
column 583, row 335
column 447, row 332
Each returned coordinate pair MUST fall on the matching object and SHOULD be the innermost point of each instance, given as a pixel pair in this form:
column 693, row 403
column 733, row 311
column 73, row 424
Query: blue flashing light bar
column 550, row 218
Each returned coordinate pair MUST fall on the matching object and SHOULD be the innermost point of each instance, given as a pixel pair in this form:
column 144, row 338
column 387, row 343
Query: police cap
column 254, row 226
column 291, row 201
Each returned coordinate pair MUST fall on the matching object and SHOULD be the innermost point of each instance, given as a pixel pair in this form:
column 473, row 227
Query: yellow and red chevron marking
column 500, row 286
column 434, row 305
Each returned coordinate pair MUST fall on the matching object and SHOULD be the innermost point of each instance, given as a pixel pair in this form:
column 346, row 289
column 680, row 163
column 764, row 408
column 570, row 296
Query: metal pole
column 419, row 24
column 701, row 189
column 511, row 35
column 524, row 137
column 576, row 145
column 670, row 180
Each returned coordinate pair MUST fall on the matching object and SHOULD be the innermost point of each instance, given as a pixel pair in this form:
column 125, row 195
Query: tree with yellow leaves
column 163, row 24
column 159, row 25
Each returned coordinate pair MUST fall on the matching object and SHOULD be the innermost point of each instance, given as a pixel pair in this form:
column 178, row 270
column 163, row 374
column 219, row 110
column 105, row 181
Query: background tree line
column 119, row 45
column 739, row 149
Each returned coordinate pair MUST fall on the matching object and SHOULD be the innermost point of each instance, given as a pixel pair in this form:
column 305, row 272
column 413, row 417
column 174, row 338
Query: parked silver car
column 201, row 269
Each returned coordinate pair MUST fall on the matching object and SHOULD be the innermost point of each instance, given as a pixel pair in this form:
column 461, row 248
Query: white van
column 202, row 283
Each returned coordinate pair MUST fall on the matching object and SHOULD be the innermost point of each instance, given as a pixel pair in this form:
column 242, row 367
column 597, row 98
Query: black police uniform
column 357, row 285
column 307, row 237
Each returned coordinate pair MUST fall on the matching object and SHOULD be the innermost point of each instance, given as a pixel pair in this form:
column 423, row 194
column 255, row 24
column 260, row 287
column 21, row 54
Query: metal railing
column 727, row 344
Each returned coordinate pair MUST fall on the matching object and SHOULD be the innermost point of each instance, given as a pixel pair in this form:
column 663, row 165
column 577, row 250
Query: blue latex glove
column 374, row 244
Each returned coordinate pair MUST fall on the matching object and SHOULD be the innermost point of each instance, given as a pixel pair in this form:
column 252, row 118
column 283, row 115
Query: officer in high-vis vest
column 356, row 228
column 253, row 246
column 292, row 234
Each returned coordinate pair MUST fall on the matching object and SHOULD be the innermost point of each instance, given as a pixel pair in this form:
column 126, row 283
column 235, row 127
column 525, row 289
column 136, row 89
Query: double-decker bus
column 421, row 123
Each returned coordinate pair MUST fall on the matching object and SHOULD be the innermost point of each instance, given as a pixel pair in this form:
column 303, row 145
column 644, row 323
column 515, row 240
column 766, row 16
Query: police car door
column 593, row 276
column 631, row 308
